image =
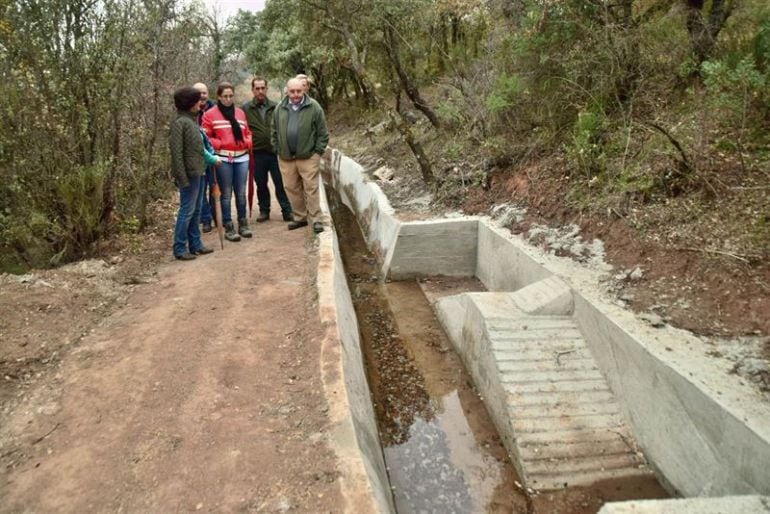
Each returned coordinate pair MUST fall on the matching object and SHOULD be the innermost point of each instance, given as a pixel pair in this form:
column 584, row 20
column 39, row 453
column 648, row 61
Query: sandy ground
column 199, row 390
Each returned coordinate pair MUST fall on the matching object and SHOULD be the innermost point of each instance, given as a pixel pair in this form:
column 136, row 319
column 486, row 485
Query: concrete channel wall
column 703, row 430
column 443, row 247
column 354, row 437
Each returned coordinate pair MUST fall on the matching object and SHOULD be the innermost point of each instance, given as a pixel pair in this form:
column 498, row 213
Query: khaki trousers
column 300, row 180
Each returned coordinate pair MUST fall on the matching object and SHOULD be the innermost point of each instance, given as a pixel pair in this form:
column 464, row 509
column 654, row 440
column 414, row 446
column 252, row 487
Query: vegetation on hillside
column 643, row 101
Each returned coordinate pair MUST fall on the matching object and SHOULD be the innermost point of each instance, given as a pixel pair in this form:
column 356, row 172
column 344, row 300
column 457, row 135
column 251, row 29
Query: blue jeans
column 187, row 233
column 207, row 209
column 233, row 176
column 267, row 163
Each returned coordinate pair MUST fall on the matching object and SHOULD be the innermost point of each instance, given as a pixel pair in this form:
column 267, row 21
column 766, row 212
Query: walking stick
column 252, row 167
column 217, row 194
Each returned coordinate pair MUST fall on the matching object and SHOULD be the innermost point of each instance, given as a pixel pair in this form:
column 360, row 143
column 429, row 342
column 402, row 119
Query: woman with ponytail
column 226, row 126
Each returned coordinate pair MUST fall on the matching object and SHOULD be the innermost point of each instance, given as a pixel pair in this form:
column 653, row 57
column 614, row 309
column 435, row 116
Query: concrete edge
column 723, row 505
column 353, row 434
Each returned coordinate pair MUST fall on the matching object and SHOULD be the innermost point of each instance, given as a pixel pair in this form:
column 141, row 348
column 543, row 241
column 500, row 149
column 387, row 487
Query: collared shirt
column 296, row 106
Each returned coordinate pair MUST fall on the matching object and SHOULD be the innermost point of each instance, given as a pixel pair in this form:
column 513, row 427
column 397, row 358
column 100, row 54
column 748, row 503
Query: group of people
column 214, row 144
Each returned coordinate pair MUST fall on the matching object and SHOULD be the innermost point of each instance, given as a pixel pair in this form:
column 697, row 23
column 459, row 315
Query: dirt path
column 202, row 393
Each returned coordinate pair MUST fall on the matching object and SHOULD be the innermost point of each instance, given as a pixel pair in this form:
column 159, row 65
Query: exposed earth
column 143, row 384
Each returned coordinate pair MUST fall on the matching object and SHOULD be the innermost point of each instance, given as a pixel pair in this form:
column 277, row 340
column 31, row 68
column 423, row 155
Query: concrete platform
column 723, row 505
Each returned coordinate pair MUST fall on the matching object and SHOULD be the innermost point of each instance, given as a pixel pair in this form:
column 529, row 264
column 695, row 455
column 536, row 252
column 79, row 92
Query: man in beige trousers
column 299, row 138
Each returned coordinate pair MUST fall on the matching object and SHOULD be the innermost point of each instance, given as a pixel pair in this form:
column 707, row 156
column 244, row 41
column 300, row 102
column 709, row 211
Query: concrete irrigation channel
column 466, row 372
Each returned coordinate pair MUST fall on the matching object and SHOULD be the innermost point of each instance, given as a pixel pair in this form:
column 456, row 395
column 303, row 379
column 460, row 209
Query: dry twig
column 742, row 258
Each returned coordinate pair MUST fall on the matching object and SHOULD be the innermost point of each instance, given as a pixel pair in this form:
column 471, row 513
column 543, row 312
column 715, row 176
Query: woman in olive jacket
column 188, row 164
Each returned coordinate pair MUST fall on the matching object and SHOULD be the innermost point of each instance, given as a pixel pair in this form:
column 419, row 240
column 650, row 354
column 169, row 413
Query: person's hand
column 219, row 161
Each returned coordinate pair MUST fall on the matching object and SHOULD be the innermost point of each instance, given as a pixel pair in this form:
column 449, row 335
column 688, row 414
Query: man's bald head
column 296, row 90
column 204, row 89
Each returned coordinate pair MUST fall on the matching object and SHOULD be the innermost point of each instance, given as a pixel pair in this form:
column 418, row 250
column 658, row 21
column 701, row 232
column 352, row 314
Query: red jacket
column 220, row 131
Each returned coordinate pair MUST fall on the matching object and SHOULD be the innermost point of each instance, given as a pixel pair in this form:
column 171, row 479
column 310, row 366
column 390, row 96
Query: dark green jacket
column 313, row 135
column 186, row 145
column 260, row 129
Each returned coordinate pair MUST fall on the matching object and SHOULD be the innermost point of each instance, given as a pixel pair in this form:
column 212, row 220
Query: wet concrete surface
column 441, row 447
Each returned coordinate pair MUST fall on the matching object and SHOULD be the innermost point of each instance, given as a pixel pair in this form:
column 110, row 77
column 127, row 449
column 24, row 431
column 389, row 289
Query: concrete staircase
column 552, row 406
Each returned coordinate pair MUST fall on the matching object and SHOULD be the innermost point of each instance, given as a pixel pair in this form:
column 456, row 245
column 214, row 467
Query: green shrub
column 587, row 148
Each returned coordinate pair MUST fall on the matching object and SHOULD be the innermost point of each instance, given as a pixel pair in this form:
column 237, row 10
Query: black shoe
column 207, row 228
column 263, row 216
column 294, row 225
column 318, row 227
column 203, row 250
column 287, row 216
column 185, row 257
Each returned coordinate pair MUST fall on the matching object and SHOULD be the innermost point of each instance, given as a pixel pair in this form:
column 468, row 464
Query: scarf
column 229, row 114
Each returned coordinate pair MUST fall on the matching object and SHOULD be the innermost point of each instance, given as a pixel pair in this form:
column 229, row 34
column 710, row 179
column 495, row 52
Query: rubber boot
column 243, row 228
column 230, row 234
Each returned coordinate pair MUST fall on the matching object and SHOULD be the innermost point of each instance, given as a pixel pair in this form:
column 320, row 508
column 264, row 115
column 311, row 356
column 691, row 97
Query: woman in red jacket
column 229, row 133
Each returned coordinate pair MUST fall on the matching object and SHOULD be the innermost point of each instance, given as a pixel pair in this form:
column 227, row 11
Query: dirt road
column 201, row 393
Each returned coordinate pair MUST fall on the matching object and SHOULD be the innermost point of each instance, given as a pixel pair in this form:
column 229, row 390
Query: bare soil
column 140, row 383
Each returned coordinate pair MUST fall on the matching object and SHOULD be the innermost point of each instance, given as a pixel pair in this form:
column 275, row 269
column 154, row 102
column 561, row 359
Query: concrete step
column 564, row 409
column 547, row 398
column 535, row 375
column 565, row 423
column 589, row 385
column 588, row 435
column 575, row 465
column 546, row 365
column 554, row 408
column 551, row 334
column 561, row 450
column 561, row 480
column 566, row 352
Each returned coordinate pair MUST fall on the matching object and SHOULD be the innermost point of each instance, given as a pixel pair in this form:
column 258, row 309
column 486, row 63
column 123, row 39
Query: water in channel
column 441, row 448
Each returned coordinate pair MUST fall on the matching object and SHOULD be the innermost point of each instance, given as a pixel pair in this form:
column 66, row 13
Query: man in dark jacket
column 259, row 116
column 207, row 209
column 299, row 137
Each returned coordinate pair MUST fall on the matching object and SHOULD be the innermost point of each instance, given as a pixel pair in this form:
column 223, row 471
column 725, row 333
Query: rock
column 636, row 274
column 411, row 117
column 755, row 366
column 380, row 128
column 384, row 173
column 653, row 319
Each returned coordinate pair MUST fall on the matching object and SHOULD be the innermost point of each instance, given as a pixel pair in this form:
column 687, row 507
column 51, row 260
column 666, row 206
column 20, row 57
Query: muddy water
column 441, row 448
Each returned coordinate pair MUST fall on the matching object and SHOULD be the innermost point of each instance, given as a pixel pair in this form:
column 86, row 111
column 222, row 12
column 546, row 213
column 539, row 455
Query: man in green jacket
column 299, row 137
column 259, row 116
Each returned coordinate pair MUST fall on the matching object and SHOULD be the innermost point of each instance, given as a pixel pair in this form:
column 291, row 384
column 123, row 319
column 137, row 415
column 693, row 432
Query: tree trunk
column 423, row 162
column 704, row 28
column 408, row 85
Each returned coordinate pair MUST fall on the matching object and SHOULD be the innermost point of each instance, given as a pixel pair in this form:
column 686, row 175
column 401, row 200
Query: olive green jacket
column 261, row 130
column 313, row 134
column 186, row 146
